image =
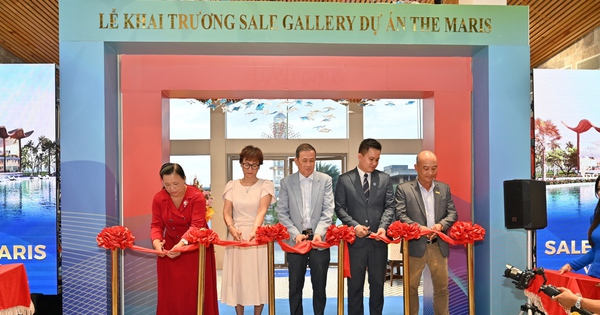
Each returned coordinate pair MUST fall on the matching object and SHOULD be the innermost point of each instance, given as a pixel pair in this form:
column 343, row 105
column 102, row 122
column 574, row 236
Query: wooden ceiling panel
column 555, row 25
column 29, row 29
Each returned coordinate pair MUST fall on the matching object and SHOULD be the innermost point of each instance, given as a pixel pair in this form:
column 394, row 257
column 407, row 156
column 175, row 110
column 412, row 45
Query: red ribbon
column 466, row 232
column 203, row 236
column 335, row 234
column 115, row 237
column 400, row 230
column 459, row 234
column 345, row 233
column 271, row 233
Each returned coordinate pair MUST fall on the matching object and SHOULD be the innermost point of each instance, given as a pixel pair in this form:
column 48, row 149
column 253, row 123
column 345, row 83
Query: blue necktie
column 366, row 186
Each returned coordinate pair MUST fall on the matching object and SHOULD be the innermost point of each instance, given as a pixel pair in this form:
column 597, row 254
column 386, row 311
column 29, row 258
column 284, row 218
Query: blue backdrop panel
column 501, row 121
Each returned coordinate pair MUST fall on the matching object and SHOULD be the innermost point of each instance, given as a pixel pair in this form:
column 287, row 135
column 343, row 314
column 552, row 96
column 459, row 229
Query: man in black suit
column 364, row 199
column 429, row 203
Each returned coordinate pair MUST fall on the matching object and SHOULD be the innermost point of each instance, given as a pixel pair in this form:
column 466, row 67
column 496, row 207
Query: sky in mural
column 566, row 97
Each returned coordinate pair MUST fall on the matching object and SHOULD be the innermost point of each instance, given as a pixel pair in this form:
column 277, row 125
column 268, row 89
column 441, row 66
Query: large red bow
column 400, row 230
column 202, row 236
column 466, row 232
column 335, row 234
column 271, row 233
column 115, row 237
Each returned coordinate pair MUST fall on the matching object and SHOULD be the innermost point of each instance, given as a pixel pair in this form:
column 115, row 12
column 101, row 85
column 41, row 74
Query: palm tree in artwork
column 48, row 148
column 546, row 139
column 29, row 151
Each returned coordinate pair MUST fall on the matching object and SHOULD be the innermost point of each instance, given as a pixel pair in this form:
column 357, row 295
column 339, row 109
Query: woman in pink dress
column 246, row 202
column 177, row 208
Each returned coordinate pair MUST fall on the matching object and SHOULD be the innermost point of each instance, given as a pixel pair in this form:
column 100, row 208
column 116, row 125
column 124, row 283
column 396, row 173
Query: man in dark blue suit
column 364, row 199
column 429, row 203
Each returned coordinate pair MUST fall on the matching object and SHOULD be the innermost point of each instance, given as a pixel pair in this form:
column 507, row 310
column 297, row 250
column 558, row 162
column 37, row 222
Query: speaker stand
column 531, row 249
column 528, row 308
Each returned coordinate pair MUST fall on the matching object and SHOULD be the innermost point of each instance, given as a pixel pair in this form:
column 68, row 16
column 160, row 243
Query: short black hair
column 251, row 153
column 304, row 147
column 367, row 144
column 170, row 168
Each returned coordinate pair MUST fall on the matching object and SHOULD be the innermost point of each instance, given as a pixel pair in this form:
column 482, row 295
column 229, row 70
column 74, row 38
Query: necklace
column 247, row 187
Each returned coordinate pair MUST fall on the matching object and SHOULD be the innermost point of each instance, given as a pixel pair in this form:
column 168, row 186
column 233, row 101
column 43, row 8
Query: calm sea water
column 569, row 210
column 26, row 199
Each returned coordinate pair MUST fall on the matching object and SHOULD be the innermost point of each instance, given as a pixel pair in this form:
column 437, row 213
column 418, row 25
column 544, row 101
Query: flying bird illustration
column 224, row 102
column 410, row 102
column 209, row 103
column 253, row 120
column 260, row 106
column 325, row 130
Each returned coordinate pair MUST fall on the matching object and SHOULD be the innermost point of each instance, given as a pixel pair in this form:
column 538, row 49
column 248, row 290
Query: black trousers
column 371, row 257
column 318, row 261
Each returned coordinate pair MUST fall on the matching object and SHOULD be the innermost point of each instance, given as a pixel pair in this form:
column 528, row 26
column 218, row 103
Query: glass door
column 274, row 168
column 333, row 166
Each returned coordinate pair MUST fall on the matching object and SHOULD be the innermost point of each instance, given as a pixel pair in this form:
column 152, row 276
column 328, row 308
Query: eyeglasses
column 248, row 165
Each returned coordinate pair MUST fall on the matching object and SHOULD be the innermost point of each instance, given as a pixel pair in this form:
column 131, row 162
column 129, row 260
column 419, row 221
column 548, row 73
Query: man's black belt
column 432, row 241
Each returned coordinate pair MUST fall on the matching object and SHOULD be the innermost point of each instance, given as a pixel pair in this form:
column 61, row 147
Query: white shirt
column 306, row 187
column 362, row 177
column 429, row 203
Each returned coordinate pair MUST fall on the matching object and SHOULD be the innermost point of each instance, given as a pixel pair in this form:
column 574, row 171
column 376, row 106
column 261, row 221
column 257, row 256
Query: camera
column 523, row 279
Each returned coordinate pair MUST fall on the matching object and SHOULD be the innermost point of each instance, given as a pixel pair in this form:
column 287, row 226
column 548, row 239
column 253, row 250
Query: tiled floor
column 393, row 303
column 281, row 286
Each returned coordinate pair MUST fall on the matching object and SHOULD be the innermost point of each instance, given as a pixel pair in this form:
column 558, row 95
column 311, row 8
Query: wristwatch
column 185, row 242
column 578, row 302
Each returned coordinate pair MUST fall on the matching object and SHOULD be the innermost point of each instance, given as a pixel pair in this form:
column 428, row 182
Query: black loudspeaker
column 525, row 204
column 47, row 304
